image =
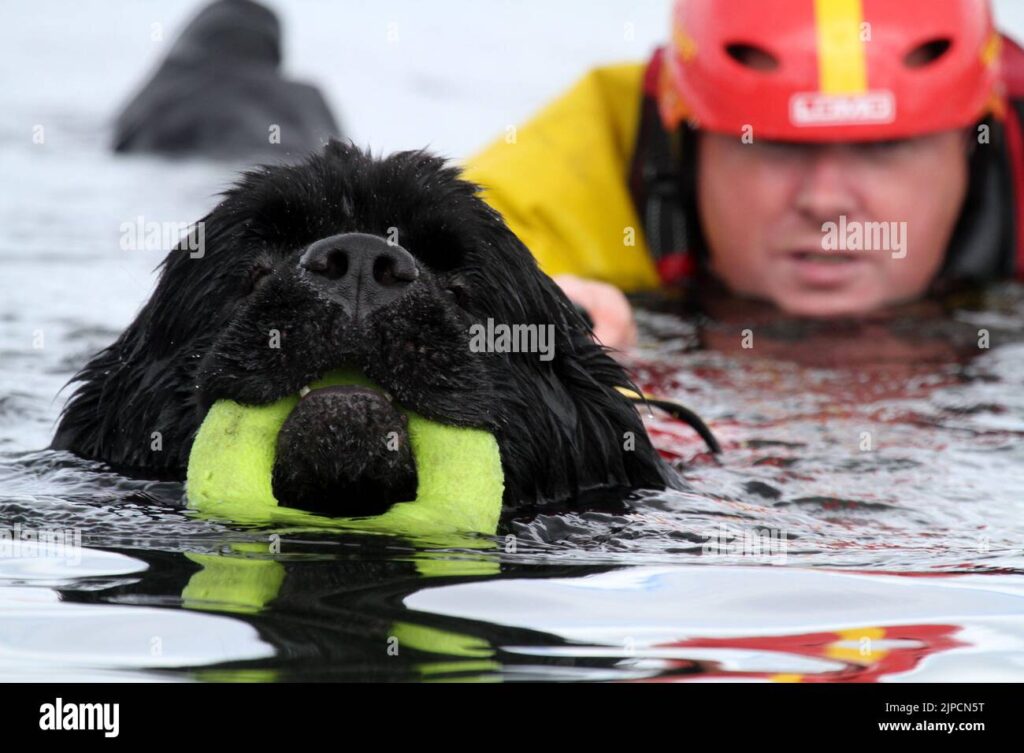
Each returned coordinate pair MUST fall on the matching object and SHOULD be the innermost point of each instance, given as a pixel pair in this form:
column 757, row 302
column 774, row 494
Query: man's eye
column 781, row 148
column 887, row 147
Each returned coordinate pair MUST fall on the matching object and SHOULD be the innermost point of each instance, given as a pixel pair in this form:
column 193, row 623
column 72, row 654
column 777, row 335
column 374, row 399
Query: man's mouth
column 824, row 269
column 823, row 256
column 344, row 451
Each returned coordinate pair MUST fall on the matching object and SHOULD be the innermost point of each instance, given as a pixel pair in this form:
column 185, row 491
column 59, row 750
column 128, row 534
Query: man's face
column 830, row 230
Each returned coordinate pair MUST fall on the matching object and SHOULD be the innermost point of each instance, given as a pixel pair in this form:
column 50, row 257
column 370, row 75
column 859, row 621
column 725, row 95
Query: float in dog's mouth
column 343, row 448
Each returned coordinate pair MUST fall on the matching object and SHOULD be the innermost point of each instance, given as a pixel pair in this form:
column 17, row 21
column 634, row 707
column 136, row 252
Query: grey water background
column 915, row 545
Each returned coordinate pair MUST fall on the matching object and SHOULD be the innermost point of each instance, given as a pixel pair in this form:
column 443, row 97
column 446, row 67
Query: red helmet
column 830, row 70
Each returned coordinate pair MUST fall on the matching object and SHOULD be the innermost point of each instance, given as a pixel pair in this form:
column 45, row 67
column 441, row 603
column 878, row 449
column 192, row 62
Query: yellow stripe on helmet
column 842, row 58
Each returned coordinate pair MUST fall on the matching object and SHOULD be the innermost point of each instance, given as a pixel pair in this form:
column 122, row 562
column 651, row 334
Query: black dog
column 220, row 93
column 383, row 265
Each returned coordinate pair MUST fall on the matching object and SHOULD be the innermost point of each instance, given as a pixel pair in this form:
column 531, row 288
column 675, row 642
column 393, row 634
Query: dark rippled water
column 866, row 520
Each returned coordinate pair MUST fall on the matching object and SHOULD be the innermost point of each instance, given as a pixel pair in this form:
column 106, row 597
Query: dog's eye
column 257, row 275
column 458, row 294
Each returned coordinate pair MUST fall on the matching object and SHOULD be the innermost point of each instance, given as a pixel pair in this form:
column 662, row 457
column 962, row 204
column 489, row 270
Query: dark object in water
column 299, row 279
column 220, row 93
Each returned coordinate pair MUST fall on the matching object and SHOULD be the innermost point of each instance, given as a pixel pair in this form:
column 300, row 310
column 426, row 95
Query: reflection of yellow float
column 247, row 579
column 460, row 489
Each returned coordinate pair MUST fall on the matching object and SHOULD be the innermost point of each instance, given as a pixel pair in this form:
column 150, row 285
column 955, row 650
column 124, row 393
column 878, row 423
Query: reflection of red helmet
column 830, row 70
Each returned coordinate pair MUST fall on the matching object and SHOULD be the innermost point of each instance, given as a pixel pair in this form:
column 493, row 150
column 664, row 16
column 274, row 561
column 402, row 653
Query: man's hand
column 608, row 309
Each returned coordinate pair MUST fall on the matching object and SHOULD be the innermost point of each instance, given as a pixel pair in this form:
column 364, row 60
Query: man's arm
column 560, row 181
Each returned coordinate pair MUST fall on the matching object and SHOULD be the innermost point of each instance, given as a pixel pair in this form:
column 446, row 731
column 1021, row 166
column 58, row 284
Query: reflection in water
column 354, row 617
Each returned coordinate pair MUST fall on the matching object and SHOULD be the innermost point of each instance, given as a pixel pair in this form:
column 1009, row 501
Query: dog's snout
column 361, row 272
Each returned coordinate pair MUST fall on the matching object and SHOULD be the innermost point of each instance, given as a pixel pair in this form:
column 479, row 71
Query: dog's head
column 393, row 267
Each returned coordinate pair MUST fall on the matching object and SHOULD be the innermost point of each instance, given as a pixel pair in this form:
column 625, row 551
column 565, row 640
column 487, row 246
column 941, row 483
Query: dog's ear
column 577, row 432
column 119, row 414
column 135, row 405
column 615, row 449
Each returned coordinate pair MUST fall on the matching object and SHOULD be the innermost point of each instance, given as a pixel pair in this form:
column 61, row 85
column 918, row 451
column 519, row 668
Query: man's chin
column 827, row 303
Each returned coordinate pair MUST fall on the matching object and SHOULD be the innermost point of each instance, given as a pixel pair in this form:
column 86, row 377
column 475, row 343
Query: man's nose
column 828, row 185
column 360, row 272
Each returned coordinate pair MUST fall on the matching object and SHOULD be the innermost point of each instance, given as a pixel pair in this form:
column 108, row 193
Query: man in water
column 829, row 157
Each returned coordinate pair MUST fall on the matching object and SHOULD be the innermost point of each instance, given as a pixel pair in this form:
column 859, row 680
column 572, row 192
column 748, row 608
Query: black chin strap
column 657, row 185
column 661, row 170
column 982, row 247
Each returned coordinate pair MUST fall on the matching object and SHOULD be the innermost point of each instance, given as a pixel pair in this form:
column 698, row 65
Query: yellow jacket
column 562, row 180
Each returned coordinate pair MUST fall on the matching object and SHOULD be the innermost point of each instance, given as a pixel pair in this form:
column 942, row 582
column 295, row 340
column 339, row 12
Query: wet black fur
column 561, row 425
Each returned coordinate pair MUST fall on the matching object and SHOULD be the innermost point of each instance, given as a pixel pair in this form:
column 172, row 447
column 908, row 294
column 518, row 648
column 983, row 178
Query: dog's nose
column 361, row 272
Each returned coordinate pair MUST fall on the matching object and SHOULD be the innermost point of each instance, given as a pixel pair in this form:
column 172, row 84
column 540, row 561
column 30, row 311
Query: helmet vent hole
column 752, row 57
column 927, row 54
